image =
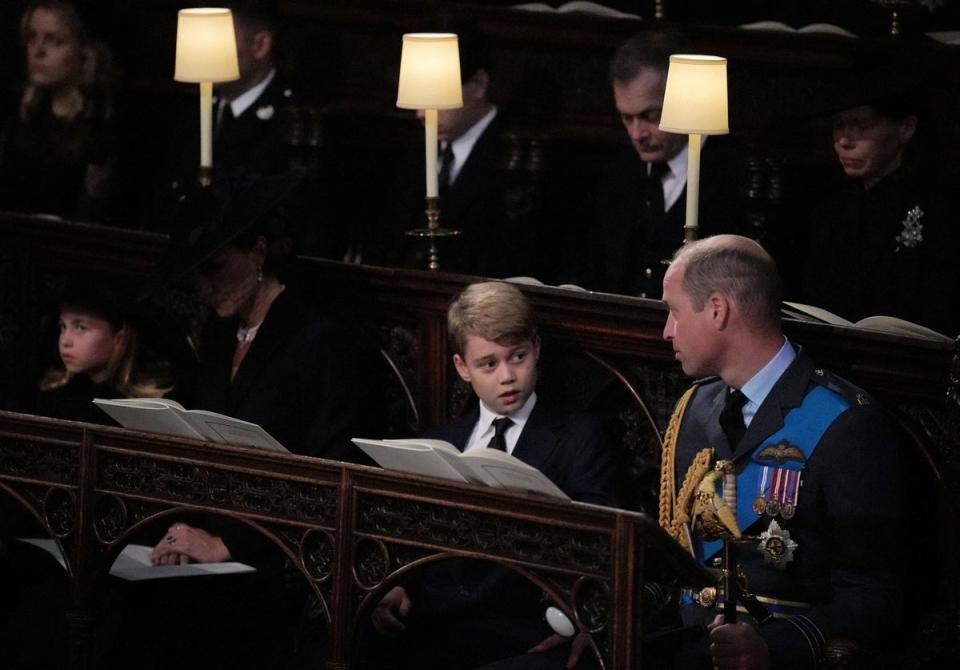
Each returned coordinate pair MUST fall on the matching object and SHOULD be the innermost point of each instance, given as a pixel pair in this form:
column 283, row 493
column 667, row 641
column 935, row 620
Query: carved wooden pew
column 350, row 531
column 605, row 352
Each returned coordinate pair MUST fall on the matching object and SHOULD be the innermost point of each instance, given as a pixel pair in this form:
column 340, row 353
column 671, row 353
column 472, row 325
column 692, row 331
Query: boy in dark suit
column 463, row 614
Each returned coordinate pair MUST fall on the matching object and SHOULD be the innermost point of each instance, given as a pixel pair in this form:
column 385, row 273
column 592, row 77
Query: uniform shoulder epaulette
column 842, row 387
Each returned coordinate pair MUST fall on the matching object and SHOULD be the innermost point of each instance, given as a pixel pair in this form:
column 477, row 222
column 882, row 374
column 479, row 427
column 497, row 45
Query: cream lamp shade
column 430, row 72
column 695, row 100
column 206, row 46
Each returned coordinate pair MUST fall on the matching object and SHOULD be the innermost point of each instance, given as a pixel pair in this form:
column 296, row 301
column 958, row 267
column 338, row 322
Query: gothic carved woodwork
column 225, row 489
column 317, row 552
column 28, row 459
column 572, row 552
column 467, row 530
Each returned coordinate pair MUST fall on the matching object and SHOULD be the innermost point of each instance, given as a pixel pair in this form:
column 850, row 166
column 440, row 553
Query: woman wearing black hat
column 883, row 243
column 57, row 151
column 268, row 356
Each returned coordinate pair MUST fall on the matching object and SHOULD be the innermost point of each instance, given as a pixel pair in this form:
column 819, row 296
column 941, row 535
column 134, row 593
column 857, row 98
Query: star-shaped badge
column 776, row 546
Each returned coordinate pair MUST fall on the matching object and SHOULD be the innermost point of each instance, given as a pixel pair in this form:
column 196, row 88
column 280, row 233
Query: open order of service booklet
column 160, row 415
column 133, row 563
column 437, row 458
column 883, row 324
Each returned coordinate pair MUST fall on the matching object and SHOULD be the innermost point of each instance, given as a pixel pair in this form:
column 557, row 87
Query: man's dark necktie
column 225, row 119
column 654, row 191
column 499, row 440
column 446, row 164
column 731, row 418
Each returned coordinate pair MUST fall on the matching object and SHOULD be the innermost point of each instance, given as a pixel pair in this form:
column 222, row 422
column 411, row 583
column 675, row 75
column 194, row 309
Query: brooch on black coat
column 912, row 233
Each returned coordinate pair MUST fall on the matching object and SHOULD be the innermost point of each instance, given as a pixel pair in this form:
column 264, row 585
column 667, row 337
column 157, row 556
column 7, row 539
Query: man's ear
column 461, row 367
column 262, row 44
column 479, row 83
column 719, row 306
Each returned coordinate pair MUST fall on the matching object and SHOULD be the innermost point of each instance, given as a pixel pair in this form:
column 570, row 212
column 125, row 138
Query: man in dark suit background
column 815, row 466
column 640, row 208
column 483, row 194
column 252, row 116
column 464, row 614
column 251, row 125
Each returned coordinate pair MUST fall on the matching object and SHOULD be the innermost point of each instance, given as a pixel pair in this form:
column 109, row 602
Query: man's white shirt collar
column 242, row 102
column 759, row 386
column 483, row 431
column 463, row 145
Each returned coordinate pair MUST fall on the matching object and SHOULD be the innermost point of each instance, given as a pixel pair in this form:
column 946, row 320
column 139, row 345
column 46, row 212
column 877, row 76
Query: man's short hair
column 744, row 273
column 474, row 48
column 261, row 14
column 636, row 55
column 494, row 311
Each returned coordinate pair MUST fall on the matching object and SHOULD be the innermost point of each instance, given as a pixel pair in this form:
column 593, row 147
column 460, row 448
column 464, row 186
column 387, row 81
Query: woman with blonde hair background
column 57, row 150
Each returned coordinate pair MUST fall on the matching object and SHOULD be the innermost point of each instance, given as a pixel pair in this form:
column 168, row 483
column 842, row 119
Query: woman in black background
column 883, row 242
column 58, row 147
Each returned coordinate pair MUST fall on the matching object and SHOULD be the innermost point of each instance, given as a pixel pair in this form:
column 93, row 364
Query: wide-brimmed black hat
column 103, row 297
column 115, row 299
column 895, row 86
column 210, row 218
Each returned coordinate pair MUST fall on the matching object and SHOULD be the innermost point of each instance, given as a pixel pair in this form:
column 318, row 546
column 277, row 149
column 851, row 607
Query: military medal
column 760, row 502
column 706, row 597
column 773, row 508
column 778, row 489
column 776, row 546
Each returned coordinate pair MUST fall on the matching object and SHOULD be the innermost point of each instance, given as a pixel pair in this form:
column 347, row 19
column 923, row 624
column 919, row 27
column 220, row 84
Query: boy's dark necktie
column 731, row 418
column 499, row 440
column 446, row 164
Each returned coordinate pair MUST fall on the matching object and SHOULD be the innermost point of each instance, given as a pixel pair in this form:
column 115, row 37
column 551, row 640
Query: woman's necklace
column 245, row 335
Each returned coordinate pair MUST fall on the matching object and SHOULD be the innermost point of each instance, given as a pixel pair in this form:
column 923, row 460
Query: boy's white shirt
column 483, row 430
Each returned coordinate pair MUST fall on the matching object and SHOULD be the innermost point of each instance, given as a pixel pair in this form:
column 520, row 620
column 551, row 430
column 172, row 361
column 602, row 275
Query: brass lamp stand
column 430, row 81
column 433, row 231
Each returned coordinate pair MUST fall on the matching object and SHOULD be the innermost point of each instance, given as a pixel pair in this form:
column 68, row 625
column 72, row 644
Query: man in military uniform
column 814, row 463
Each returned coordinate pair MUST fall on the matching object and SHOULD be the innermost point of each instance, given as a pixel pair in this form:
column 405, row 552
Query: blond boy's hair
column 495, row 311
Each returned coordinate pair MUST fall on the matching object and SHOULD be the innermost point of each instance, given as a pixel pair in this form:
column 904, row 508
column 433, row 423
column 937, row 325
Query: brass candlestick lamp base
column 204, row 175
column 433, row 231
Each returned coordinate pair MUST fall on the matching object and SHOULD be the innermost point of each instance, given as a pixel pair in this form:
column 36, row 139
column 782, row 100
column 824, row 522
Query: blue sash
column 803, row 427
